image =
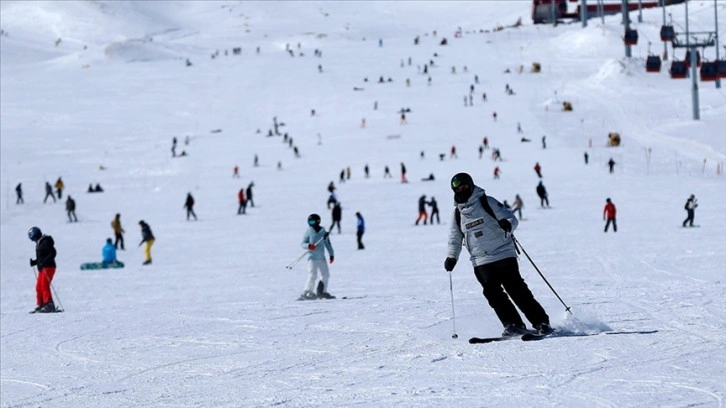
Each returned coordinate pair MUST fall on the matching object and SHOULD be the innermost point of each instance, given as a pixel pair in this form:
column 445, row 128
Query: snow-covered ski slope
column 213, row 321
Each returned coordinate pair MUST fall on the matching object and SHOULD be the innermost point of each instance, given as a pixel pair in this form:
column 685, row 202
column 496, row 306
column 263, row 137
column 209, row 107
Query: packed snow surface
column 94, row 92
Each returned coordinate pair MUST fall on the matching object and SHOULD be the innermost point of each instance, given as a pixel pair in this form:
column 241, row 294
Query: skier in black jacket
column 337, row 214
column 45, row 260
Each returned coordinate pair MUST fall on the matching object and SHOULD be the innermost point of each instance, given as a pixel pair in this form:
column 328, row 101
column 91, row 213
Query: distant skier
column 146, row 237
column 497, row 172
column 544, row 142
column 403, row 173
column 71, row 209
column 587, row 158
column 189, row 205
column 422, row 214
column 316, row 241
column 19, row 194
column 366, row 170
column 487, row 226
column 538, row 170
column 517, row 206
column 387, row 172
column 690, row 208
column 360, row 229
column 45, row 261
column 250, row 201
column 48, row 192
column 118, row 232
column 59, row 188
column 242, row 209
column 336, row 214
column 434, row 211
column 608, row 214
column 544, row 200
column 453, row 154
column 611, row 165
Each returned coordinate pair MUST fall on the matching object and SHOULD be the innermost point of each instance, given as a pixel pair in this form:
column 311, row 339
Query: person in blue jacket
column 109, row 252
column 316, row 241
column 360, row 230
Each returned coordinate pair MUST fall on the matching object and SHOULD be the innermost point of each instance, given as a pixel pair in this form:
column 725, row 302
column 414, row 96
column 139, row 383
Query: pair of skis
column 531, row 336
column 523, row 337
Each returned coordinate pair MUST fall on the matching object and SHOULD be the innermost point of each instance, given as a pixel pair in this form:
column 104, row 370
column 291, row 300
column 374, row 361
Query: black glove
column 449, row 264
column 33, row 262
column 505, row 225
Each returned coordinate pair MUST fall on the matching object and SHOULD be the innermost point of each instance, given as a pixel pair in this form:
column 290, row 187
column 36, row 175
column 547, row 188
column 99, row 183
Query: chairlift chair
column 667, row 33
column 653, row 63
column 678, row 70
column 631, row 37
column 709, row 71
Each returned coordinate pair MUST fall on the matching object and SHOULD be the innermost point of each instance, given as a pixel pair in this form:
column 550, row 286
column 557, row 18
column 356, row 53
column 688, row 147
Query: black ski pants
column 119, row 240
column 501, row 281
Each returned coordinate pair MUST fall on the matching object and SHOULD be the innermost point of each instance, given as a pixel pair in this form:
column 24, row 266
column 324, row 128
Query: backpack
column 484, row 203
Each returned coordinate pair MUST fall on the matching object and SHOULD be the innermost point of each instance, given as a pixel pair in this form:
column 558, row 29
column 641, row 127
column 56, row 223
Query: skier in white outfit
column 316, row 240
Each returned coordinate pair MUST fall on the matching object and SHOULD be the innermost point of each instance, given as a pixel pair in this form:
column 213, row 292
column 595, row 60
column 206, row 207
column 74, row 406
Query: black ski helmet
column 313, row 220
column 34, row 234
column 462, row 179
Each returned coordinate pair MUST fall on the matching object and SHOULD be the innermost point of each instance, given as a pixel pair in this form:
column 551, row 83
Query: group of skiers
column 423, row 215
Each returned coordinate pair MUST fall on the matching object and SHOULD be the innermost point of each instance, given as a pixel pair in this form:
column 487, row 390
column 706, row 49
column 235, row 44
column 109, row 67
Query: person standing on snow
column 249, row 194
column 59, row 187
column 517, row 206
column 45, row 260
column 485, row 226
column 360, row 229
column 543, row 196
column 434, row 211
column 608, row 213
column 48, row 192
column 538, row 169
column 71, row 209
column 148, row 237
column 19, row 194
column 422, row 214
column 118, row 232
column 690, row 207
column 316, row 241
column 337, row 215
column 189, row 205
column 242, row 209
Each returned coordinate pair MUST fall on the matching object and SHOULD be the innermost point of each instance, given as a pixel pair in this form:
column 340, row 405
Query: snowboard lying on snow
column 102, row 265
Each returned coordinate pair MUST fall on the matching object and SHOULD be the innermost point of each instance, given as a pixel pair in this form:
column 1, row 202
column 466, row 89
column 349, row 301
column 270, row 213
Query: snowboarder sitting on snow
column 485, row 225
column 316, row 241
column 45, row 260
column 109, row 253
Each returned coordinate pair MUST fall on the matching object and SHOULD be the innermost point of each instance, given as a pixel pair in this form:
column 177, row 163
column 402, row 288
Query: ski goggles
column 458, row 185
column 312, row 222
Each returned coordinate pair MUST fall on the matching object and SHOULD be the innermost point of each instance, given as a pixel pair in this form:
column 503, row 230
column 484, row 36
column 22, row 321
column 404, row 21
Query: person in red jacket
column 538, row 169
column 609, row 215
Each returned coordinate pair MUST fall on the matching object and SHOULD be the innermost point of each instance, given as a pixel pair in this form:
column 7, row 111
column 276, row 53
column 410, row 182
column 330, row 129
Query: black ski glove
column 33, row 262
column 449, row 264
column 505, row 225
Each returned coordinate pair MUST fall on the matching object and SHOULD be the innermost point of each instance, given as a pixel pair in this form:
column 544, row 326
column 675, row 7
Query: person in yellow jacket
column 118, row 232
column 148, row 237
column 59, row 187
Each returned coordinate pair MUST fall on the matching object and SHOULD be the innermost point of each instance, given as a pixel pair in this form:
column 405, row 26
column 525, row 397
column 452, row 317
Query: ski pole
column 567, row 308
column 55, row 294
column 453, row 314
column 299, row 258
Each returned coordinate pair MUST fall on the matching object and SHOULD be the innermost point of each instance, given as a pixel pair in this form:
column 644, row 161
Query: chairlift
column 667, row 33
column 653, row 63
column 631, row 37
column 678, row 70
column 721, row 68
column 709, row 71
column 688, row 58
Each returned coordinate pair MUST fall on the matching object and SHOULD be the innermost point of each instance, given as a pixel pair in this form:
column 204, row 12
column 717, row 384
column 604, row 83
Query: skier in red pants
column 45, row 260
